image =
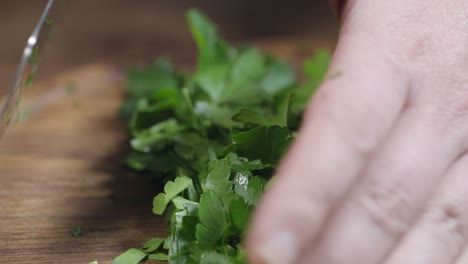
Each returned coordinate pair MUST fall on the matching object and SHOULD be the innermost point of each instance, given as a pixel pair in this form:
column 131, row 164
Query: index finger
column 345, row 123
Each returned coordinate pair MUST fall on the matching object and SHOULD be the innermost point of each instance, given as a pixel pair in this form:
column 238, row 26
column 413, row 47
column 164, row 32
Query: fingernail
column 279, row 249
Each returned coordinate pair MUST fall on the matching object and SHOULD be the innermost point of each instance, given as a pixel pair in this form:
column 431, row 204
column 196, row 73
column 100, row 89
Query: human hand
column 379, row 171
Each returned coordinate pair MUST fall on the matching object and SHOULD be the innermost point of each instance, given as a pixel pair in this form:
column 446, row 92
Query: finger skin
column 351, row 116
column 438, row 91
column 442, row 232
column 463, row 258
column 337, row 137
column 387, row 200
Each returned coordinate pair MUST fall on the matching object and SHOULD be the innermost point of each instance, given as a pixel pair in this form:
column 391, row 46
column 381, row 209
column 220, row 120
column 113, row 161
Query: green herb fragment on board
column 77, row 231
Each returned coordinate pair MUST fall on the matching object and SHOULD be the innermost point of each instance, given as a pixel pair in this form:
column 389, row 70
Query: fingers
column 386, row 202
column 347, row 120
column 463, row 258
column 442, row 232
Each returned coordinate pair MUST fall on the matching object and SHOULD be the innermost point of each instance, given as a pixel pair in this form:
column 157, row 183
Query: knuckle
column 386, row 205
column 348, row 117
column 450, row 217
column 447, row 112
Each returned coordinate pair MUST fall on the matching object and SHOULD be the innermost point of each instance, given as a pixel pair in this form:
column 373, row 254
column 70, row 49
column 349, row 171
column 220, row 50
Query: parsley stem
column 193, row 174
column 196, row 122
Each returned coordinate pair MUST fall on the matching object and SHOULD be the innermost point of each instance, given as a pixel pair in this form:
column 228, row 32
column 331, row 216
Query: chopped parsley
column 214, row 137
column 77, row 231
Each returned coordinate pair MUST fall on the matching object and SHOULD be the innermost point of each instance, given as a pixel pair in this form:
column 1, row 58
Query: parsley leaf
column 264, row 143
column 217, row 177
column 171, row 190
column 131, row 256
column 153, row 245
column 158, row 256
column 213, row 222
column 157, row 136
column 239, row 211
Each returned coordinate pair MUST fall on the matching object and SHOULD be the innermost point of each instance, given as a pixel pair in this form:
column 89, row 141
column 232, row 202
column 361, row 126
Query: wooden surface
column 61, row 167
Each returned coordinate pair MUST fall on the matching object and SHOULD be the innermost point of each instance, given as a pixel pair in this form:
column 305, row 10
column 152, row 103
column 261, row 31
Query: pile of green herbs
column 215, row 137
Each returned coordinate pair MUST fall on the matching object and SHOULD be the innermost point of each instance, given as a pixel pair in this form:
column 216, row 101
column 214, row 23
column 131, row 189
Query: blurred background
column 127, row 32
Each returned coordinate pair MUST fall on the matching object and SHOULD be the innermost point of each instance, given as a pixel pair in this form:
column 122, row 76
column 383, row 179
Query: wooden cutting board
column 61, row 166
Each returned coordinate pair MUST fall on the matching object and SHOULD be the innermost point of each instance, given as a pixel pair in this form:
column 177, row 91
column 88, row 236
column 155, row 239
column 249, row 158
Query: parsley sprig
column 215, row 137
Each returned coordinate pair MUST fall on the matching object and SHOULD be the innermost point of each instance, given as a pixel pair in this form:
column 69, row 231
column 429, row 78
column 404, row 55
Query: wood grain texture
column 62, row 168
